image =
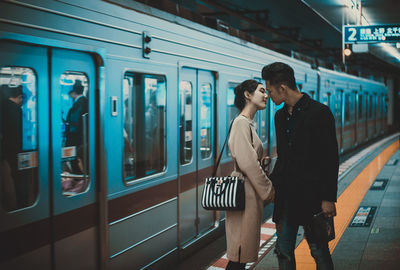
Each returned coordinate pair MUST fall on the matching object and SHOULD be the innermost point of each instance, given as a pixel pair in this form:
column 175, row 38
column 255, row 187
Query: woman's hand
column 265, row 161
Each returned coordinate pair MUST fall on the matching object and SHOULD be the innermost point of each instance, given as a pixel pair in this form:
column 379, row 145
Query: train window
column 360, row 107
column 205, row 120
column 347, row 108
column 19, row 137
column 74, row 112
column 186, row 144
column 312, row 94
column 144, row 99
column 231, row 108
column 383, row 106
column 370, row 105
column 263, row 125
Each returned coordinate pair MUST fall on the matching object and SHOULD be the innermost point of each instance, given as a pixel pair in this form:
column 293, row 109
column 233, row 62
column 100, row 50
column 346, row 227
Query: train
column 116, row 182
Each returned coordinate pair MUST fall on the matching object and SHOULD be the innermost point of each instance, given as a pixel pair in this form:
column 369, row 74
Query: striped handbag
column 223, row 193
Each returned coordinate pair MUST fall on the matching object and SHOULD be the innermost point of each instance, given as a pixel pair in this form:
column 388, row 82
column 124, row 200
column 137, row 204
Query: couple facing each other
column 303, row 181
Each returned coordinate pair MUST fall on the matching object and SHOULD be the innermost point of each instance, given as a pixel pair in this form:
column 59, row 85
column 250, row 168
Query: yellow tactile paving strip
column 347, row 204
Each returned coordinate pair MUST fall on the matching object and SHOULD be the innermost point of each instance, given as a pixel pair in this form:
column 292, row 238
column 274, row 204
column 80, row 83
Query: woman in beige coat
column 243, row 227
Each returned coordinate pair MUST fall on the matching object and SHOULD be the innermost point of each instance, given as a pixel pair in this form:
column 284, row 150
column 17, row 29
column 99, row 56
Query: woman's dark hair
column 249, row 86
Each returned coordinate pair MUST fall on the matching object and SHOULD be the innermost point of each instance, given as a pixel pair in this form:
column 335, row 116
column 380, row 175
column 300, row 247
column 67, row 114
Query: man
column 74, row 124
column 14, row 186
column 306, row 171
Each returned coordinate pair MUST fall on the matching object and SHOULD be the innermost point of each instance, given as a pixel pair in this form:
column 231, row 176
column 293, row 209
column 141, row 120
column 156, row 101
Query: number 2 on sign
column 353, row 34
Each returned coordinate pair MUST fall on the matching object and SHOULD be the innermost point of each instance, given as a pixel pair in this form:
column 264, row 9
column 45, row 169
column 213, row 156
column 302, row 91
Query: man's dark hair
column 249, row 86
column 279, row 73
column 11, row 92
column 78, row 87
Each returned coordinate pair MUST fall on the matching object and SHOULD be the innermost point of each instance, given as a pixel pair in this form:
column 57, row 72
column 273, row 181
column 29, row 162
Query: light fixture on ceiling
column 392, row 51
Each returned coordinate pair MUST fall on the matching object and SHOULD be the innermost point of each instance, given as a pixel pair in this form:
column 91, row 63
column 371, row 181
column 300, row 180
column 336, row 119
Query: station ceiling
column 309, row 28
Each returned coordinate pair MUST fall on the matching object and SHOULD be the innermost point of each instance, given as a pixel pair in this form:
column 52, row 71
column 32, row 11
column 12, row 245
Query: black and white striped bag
column 223, row 193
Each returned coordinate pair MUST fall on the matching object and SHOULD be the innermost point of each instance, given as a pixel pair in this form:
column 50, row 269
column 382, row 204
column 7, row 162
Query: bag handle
column 223, row 147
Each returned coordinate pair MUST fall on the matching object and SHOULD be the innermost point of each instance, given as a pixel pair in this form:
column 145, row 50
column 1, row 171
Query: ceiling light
column 390, row 50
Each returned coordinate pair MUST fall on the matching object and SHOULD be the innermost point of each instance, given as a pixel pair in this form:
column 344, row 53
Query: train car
column 120, row 115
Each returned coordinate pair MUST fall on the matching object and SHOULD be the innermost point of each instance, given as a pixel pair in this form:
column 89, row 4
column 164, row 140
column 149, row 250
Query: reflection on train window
column 325, row 99
column 144, row 99
column 263, row 125
column 75, row 133
column 186, row 131
column 347, row 108
column 231, row 108
column 205, row 120
column 312, row 94
column 19, row 141
column 360, row 107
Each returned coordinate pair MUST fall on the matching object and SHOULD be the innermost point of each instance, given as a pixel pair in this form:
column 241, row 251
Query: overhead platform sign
column 371, row 33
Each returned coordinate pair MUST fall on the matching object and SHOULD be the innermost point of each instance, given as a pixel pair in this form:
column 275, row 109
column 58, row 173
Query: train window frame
column 371, row 106
column 87, row 173
column 133, row 180
column 180, row 115
column 230, row 85
column 32, row 153
column 211, row 121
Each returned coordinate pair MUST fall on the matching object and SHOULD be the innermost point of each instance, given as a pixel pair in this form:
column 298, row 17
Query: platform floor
column 376, row 246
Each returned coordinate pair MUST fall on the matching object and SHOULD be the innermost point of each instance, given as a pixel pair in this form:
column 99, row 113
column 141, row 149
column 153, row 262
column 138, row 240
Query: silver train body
column 126, row 193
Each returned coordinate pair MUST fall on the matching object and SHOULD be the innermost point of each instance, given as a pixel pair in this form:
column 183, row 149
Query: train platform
column 367, row 225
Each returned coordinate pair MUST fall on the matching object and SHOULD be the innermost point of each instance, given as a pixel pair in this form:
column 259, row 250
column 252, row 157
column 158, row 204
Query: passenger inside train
column 18, row 187
column 74, row 179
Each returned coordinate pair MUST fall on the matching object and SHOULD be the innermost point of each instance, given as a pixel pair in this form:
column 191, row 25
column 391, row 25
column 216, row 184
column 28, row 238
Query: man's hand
column 328, row 208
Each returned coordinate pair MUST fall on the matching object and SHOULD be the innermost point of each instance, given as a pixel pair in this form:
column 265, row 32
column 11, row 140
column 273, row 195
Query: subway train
column 110, row 120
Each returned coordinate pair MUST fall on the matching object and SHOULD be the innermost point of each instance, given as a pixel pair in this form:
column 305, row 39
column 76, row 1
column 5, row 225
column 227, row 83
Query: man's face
column 275, row 92
column 72, row 95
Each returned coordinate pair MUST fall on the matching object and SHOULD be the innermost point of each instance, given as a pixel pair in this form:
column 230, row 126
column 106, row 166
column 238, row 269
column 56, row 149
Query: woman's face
column 259, row 97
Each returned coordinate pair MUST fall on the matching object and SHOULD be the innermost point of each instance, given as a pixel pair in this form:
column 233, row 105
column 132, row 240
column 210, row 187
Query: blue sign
column 371, row 33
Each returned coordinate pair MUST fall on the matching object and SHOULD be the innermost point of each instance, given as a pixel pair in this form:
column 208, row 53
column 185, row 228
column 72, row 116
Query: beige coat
column 243, row 227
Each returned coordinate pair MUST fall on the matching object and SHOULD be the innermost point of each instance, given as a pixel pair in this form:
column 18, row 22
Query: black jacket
column 306, row 170
column 74, row 123
column 12, row 132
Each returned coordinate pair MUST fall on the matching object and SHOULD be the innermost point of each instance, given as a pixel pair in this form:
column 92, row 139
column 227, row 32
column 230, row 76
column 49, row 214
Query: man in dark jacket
column 74, row 124
column 11, row 146
column 306, row 171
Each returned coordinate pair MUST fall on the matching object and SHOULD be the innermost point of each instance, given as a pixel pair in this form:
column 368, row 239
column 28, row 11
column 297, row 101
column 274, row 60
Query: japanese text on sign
column 371, row 33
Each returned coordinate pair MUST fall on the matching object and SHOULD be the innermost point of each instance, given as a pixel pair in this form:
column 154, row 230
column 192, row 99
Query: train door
column 24, row 186
column 72, row 151
column 339, row 118
column 48, row 156
column 196, row 97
